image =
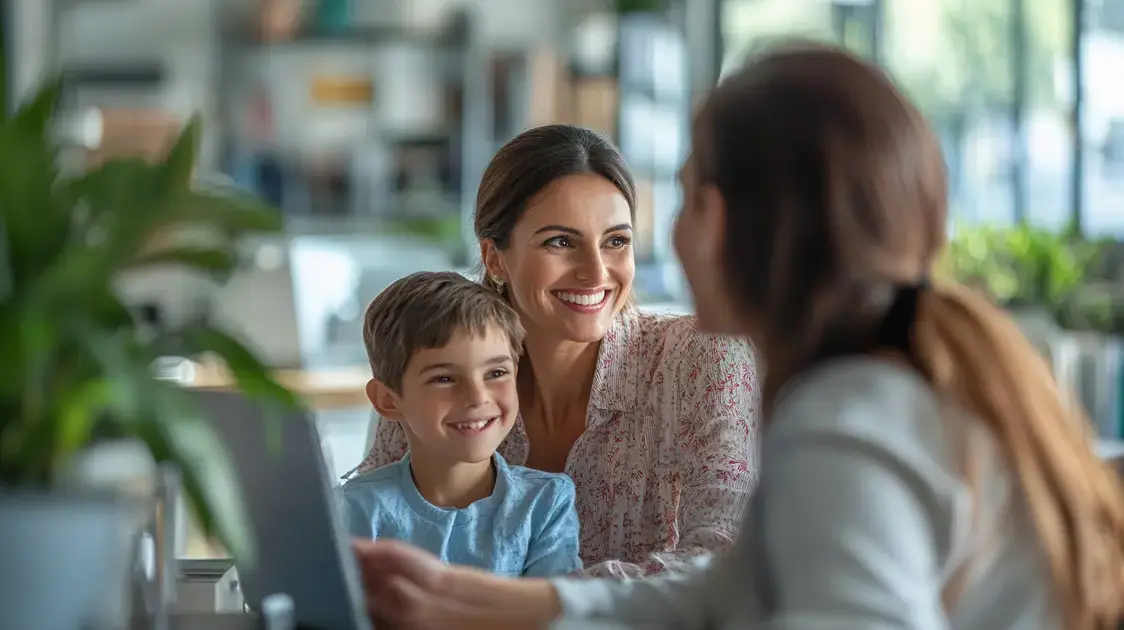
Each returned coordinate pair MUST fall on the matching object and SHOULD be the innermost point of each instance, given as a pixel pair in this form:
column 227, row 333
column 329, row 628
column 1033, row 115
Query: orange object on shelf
column 342, row 90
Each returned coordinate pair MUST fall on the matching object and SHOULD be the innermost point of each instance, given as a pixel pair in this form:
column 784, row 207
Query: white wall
column 31, row 32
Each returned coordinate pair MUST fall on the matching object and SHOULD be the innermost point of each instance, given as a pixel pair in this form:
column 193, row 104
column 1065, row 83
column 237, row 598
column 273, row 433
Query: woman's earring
column 499, row 283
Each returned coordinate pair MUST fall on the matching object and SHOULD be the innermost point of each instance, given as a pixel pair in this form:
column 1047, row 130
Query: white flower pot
column 65, row 561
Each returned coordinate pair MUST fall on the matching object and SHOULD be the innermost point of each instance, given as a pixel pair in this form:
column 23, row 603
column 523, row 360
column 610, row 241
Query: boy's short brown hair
column 423, row 310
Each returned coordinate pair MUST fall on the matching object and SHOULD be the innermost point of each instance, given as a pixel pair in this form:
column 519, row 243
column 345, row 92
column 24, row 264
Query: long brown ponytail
column 977, row 356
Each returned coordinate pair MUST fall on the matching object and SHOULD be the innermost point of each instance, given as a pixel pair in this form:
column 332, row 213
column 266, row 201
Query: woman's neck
column 557, row 385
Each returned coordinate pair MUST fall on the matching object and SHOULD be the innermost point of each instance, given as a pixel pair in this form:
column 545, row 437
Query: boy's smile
column 475, row 426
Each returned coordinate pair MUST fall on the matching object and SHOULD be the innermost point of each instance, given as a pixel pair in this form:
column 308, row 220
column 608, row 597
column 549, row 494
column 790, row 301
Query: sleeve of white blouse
column 679, row 601
column 718, row 435
column 389, row 447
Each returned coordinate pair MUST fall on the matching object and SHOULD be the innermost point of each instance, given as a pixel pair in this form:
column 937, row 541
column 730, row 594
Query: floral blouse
column 669, row 455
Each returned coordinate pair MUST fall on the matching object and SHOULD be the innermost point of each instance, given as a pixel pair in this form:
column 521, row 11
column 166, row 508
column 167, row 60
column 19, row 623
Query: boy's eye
column 441, row 379
column 497, row 373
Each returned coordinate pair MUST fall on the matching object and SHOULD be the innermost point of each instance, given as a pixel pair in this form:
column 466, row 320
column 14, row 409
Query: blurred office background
column 367, row 123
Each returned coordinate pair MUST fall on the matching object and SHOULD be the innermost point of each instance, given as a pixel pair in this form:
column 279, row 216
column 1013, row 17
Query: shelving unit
column 410, row 158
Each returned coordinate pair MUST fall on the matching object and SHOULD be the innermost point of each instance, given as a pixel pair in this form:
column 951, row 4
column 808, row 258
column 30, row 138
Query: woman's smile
column 584, row 301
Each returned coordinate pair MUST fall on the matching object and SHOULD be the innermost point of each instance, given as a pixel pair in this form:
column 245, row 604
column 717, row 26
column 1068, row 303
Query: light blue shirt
column 527, row 527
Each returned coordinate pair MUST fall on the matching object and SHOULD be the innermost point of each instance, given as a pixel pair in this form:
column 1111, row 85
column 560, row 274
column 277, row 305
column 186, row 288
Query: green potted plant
column 73, row 360
column 1035, row 273
column 1022, row 267
column 1062, row 290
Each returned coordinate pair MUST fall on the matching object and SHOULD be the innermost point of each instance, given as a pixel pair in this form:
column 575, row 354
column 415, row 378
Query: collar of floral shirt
column 621, row 379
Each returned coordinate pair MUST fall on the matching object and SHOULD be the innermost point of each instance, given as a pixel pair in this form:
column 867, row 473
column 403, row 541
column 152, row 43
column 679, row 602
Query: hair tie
column 896, row 328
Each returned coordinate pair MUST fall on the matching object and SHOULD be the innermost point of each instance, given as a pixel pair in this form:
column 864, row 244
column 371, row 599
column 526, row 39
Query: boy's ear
column 384, row 400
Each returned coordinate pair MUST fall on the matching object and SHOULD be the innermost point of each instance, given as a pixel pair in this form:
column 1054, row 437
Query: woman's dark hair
column 836, row 197
column 532, row 161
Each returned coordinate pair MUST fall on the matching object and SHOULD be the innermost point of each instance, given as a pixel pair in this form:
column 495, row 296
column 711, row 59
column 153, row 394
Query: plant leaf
column 178, row 433
column 7, row 272
column 180, row 162
column 77, row 416
column 230, row 211
column 37, row 224
column 34, row 117
column 125, row 207
column 208, row 475
column 70, row 348
column 205, row 259
column 252, row 377
column 174, row 429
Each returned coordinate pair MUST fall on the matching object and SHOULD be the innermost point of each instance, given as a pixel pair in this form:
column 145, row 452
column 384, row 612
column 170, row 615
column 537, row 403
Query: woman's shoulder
column 375, row 482
column 657, row 323
column 670, row 336
column 856, row 394
column 876, row 405
column 652, row 355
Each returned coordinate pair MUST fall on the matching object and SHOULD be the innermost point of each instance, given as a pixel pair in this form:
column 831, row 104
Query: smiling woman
column 654, row 420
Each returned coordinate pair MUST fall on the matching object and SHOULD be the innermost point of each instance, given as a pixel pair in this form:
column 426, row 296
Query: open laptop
column 302, row 547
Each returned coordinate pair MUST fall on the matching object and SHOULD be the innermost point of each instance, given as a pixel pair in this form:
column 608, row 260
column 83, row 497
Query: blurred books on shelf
column 595, row 103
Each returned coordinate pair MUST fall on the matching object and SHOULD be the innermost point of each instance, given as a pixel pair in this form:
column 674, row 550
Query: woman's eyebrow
column 569, row 230
column 558, row 228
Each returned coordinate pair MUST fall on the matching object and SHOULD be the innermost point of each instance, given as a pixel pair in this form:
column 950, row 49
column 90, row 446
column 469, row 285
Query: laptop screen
column 302, row 548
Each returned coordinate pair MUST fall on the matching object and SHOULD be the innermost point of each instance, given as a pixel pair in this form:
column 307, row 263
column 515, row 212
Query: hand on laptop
column 401, row 583
column 407, row 587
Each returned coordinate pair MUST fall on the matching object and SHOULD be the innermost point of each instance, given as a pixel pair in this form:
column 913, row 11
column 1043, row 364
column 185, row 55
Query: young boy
column 443, row 353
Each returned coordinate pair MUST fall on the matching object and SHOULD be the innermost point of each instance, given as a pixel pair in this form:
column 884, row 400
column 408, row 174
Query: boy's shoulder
column 380, row 477
column 531, row 481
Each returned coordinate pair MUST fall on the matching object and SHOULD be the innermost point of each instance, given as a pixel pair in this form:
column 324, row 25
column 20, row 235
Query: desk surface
column 340, row 388
column 231, row 621
column 200, row 622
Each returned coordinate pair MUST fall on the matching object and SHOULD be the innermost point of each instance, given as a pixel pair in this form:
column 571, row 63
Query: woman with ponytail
column 921, row 469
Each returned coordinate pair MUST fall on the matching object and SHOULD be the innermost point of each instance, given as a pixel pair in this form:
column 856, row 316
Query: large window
column 994, row 78
column 1032, row 125
column 1102, row 122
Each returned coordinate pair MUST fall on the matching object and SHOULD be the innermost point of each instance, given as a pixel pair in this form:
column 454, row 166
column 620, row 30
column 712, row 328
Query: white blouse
column 861, row 520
